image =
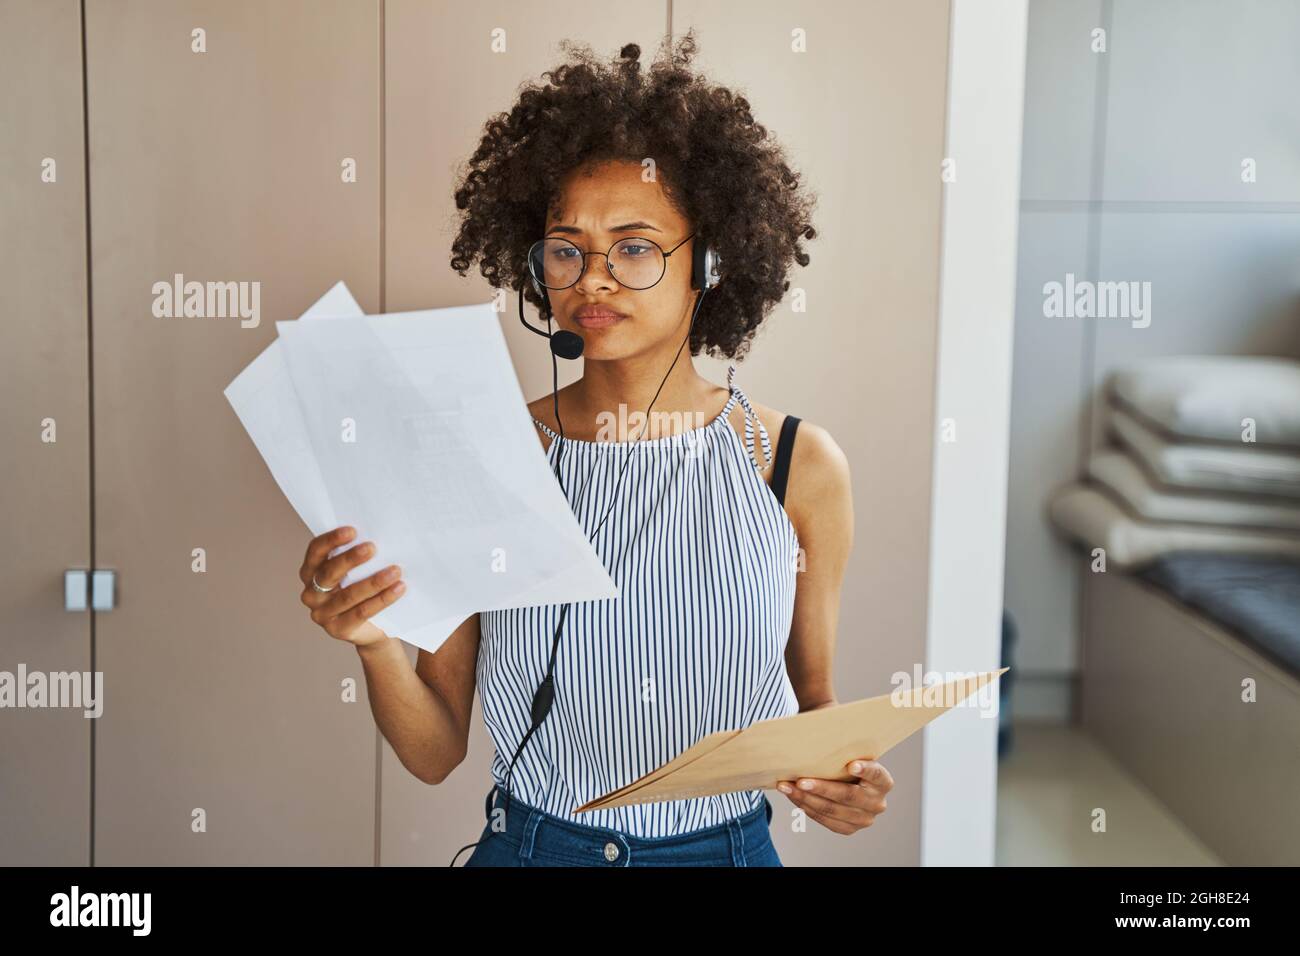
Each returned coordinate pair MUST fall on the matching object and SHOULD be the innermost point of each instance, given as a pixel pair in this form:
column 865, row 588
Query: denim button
column 611, row 852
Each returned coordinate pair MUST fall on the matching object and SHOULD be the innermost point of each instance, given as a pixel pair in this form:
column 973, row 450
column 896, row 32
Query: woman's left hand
column 843, row 807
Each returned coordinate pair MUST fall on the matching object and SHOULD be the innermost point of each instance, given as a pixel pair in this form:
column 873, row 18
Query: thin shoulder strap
column 542, row 425
column 751, row 417
column 784, row 448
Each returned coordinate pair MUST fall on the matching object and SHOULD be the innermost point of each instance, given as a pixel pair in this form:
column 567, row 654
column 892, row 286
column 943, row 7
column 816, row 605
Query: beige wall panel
column 45, row 761
column 443, row 82
column 222, row 166
column 862, row 113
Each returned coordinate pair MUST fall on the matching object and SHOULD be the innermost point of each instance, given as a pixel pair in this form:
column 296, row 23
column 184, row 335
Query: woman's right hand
column 344, row 613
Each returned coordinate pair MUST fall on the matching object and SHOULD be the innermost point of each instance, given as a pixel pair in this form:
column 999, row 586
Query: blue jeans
column 533, row 837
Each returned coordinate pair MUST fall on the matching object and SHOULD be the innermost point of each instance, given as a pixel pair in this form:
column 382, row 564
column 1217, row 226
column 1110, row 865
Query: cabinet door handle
column 75, row 587
column 103, row 590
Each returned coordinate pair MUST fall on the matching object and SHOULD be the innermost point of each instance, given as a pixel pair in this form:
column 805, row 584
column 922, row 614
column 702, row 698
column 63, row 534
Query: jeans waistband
column 541, row 835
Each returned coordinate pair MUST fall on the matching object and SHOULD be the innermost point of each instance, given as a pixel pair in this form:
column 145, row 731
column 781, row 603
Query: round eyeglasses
column 635, row 263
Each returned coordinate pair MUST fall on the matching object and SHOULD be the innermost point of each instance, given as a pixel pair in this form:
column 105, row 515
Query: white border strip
column 986, row 75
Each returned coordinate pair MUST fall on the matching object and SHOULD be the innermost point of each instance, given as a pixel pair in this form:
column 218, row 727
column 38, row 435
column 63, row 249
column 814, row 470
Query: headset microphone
column 564, row 344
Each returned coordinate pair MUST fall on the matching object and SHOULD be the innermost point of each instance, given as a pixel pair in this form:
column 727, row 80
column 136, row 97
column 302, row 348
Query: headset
column 706, row 273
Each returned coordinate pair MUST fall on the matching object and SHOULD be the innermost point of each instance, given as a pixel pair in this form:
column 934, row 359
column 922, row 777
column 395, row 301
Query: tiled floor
column 1048, row 788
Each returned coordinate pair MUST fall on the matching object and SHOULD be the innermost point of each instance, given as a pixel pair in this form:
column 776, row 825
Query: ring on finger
column 319, row 588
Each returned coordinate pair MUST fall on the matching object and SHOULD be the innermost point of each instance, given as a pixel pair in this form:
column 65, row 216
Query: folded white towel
column 1085, row 514
column 1207, row 397
column 1248, row 469
column 1122, row 476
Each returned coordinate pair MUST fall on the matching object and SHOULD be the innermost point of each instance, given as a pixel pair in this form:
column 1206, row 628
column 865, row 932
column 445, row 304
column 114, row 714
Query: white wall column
column 968, row 508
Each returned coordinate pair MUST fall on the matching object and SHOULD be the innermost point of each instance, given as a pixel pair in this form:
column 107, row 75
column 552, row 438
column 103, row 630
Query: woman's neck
column 620, row 392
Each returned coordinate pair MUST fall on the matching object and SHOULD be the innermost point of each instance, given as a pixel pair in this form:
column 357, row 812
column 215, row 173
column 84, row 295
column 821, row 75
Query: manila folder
column 816, row 743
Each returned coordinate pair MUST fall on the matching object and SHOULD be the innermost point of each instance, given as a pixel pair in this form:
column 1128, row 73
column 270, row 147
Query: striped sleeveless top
column 704, row 557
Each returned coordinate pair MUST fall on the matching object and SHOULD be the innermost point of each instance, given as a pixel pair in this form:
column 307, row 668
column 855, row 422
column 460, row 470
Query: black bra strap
column 784, row 447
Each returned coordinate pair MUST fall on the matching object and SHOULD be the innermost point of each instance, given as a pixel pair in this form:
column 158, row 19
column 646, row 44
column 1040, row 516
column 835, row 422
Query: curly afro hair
column 718, row 167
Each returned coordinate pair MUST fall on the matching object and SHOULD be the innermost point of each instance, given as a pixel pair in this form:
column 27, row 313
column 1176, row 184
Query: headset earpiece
column 706, row 267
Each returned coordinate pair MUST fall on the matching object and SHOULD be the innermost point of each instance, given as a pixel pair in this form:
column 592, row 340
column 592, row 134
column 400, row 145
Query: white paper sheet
column 263, row 397
column 266, row 402
column 419, row 425
column 446, row 474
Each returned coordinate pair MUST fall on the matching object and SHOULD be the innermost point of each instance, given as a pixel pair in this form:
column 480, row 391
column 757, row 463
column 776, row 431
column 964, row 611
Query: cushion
column 1257, row 598
column 1087, row 515
column 1205, row 397
column 1209, row 467
column 1119, row 474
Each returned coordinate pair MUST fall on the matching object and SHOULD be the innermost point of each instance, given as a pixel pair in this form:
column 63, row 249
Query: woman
column 616, row 201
